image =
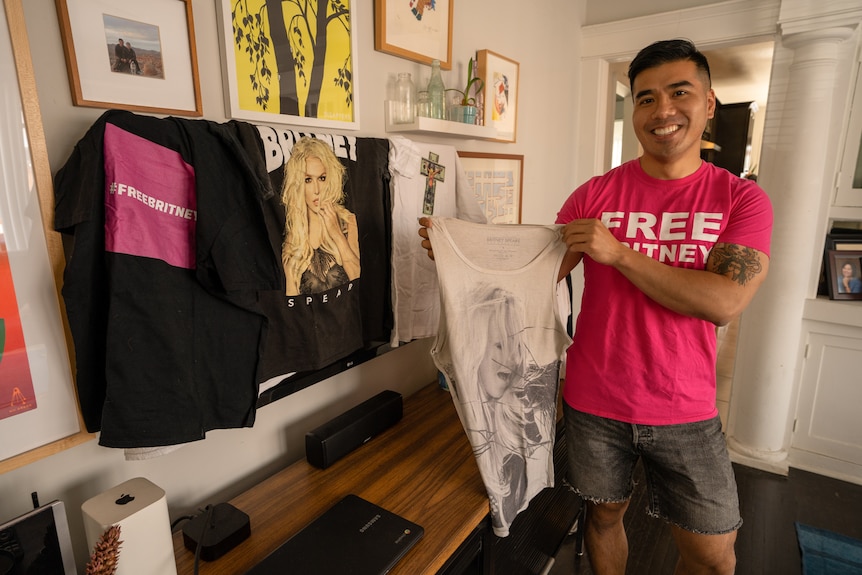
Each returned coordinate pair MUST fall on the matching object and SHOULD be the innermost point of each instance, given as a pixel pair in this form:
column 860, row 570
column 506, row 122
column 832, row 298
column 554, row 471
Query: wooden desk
column 422, row 468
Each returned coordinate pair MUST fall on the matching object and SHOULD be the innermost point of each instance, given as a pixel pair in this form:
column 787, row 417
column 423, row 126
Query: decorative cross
column 434, row 172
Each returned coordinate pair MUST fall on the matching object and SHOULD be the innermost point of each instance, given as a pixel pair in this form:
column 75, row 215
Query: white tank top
column 499, row 345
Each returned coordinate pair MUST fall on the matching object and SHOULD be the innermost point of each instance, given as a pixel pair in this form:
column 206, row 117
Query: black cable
column 178, row 519
column 209, row 509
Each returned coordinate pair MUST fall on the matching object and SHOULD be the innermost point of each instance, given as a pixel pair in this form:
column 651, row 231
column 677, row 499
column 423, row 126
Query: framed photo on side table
column 500, row 95
column 845, row 277
column 137, row 56
column 497, row 181
column 420, row 30
column 281, row 66
column 840, row 239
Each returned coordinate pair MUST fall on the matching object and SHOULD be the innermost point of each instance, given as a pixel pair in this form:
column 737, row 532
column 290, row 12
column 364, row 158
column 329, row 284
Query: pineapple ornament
column 106, row 553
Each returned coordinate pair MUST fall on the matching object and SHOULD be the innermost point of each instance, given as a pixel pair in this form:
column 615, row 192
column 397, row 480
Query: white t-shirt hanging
column 499, row 344
column 427, row 179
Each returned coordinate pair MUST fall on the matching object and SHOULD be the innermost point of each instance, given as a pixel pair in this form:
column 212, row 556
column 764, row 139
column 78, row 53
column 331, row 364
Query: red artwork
column 16, row 384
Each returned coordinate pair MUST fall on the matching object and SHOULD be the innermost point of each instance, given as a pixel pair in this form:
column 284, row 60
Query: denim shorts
column 690, row 480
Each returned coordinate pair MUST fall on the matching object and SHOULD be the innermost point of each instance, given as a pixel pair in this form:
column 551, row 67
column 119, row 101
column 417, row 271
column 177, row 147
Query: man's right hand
column 425, row 223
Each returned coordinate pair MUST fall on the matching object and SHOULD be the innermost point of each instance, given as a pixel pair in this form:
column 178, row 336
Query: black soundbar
column 336, row 438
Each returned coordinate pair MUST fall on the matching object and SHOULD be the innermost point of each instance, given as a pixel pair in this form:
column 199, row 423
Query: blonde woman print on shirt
column 321, row 239
column 507, row 401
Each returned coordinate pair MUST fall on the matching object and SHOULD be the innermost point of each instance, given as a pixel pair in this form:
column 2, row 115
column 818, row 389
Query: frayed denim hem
column 592, row 499
column 669, row 521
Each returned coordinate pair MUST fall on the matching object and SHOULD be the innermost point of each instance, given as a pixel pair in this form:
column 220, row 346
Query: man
column 671, row 247
column 121, row 56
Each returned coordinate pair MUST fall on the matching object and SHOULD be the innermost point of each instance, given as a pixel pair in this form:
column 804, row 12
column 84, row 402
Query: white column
column 797, row 172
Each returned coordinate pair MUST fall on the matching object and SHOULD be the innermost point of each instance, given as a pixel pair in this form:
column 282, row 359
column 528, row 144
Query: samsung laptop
column 37, row 542
column 353, row 537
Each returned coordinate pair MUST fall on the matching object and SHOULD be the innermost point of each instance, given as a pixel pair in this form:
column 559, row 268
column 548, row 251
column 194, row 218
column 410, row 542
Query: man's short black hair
column 665, row 51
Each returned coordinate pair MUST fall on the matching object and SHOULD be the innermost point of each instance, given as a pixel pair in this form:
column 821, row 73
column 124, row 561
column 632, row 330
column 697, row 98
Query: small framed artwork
column 418, row 30
column 137, row 56
column 500, row 96
column 497, row 183
column 840, row 239
column 845, row 278
column 286, row 66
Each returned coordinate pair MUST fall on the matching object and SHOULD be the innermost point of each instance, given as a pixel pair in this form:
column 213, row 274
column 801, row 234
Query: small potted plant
column 465, row 109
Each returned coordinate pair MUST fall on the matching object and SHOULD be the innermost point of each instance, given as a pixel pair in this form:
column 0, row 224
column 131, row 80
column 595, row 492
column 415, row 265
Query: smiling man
column 671, row 246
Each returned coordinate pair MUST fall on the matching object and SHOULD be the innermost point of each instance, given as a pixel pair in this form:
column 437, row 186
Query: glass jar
column 423, row 104
column 405, row 99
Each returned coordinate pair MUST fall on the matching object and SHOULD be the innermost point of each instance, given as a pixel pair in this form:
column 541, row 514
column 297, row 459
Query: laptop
column 38, row 542
column 353, row 537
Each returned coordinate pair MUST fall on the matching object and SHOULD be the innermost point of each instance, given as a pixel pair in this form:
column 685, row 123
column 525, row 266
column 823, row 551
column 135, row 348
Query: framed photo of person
column 137, row 56
column 840, row 239
column 500, row 94
column 845, row 274
column 281, row 66
column 497, row 183
column 419, row 30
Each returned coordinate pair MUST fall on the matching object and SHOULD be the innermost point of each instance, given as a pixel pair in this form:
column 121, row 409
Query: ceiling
column 739, row 73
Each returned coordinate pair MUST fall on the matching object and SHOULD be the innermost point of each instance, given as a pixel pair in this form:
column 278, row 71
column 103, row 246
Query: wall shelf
column 441, row 127
column 842, row 312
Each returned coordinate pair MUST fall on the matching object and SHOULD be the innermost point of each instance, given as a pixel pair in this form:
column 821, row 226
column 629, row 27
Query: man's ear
column 710, row 103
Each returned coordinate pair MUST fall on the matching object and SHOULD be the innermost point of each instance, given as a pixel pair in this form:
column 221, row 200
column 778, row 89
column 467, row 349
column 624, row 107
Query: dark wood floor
column 766, row 543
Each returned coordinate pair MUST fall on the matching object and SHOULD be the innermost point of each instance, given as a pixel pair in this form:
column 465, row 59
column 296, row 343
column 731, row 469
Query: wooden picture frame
column 497, row 181
column 421, row 32
column 500, row 93
column 36, row 261
column 845, row 264
column 266, row 82
column 103, row 74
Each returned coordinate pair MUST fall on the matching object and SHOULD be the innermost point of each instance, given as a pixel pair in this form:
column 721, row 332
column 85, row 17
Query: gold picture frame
column 160, row 77
column 500, row 96
column 53, row 352
column 497, row 181
column 421, row 32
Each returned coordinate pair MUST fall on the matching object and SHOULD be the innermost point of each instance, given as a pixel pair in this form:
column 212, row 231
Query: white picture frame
column 256, row 73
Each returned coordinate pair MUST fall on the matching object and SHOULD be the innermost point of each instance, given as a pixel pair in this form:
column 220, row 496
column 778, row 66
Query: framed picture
column 281, row 65
column 418, row 30
column 845, row 278
column 840, row 239
column 497, row 183
column 137, row 56
column 500, row 95
column 38, row 408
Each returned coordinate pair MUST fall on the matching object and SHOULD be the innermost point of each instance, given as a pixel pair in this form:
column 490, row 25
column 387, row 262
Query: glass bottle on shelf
column 405, row 99
column 437, row 92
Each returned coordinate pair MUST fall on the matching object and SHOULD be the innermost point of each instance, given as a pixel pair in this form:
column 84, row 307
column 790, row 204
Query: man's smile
column 666, row 130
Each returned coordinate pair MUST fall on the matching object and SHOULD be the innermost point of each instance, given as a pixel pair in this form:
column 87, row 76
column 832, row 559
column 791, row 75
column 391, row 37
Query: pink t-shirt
column 632, row 359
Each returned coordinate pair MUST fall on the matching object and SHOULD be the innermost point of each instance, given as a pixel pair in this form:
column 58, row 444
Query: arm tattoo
column 737, row 262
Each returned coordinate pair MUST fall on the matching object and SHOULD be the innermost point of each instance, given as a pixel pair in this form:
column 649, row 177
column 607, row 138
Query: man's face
column 672, row 103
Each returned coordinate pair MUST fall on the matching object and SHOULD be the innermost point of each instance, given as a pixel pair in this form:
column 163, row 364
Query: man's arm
column 717, row 294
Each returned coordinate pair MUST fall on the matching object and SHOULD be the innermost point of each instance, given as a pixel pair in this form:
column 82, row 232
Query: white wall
column 544, row 38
